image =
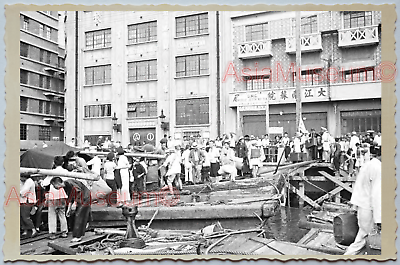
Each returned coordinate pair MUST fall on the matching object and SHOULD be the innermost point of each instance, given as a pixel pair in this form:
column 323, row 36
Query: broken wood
column 62, row 248
column 52, row 172
column 336, row 181
column 329, row 194
column 304, row 197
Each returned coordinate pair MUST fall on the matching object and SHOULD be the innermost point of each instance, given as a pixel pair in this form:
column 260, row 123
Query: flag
column 302, row 127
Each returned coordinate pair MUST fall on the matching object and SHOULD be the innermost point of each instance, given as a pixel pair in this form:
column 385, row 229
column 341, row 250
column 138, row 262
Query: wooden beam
column 62, row 248
column 336, row 181
column 304, row 197
column 144, row 155
column 326, row 196
column 52, row 172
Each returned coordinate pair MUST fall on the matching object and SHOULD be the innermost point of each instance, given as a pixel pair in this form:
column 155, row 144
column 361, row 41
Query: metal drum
column 345, row 228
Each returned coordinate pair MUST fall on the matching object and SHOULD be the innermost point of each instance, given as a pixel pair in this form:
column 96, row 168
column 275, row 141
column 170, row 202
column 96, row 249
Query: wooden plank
column 304, row 197
column 329, row 194
column 62, row 248
column 336, row 181
column 292, row 249
column 309, row 236
column 266, row 250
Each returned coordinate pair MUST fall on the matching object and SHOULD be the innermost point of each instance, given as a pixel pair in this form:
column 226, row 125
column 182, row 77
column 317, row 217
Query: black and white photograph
column 201, row 133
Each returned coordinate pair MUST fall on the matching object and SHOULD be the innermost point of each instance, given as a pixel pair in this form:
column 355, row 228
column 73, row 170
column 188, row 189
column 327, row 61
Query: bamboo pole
column 144, row 155
column 50, row 172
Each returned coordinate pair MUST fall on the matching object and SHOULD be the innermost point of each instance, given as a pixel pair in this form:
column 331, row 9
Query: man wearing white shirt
column 353, row 141
column 367, row 200
column 28, row 198
column 56, row 200
column 95, row 162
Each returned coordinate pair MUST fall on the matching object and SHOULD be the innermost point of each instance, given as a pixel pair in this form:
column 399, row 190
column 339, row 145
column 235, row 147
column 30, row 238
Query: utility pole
column 76, row 77
column 298, row 73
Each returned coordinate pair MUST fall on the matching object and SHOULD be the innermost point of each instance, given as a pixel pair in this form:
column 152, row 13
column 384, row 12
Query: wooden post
column 302, row 192
column 298, row 70
column 51, row 172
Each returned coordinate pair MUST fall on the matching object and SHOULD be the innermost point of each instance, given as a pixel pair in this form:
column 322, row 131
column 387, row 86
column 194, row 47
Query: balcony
column 308, row 42
column 358, row 36
column 254, row 49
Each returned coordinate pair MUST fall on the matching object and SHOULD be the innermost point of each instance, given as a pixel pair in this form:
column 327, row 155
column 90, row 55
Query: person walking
column 123, row 165
column 367, row 201
column 28, row 199
column 196, row 158
column 109, row 167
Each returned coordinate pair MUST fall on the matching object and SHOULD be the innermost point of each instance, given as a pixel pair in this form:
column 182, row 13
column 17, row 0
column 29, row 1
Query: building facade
column 41, row 77
column 135, row 67
column 135, row 76
column 340, row 82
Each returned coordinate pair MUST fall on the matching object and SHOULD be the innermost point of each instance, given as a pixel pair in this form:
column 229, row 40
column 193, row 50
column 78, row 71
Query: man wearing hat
column 228, row 162
column 196, row 158
column 326, row 145
column 173, row 162
column 354, row 140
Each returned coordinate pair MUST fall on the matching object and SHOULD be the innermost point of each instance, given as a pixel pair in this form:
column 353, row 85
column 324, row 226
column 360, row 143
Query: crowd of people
column 189, row 161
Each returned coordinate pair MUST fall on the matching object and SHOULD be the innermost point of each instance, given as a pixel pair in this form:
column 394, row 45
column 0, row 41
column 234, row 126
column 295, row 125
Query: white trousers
column 365, row 224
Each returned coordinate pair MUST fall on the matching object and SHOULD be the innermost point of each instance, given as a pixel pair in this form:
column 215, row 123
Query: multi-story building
column 259, row 76
column 135, row 76
column 135, row 67
column 41, row 77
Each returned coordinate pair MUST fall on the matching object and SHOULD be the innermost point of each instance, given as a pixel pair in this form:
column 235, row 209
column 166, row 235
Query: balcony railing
column 251, row 49
column 308, row 43
column 358, row 36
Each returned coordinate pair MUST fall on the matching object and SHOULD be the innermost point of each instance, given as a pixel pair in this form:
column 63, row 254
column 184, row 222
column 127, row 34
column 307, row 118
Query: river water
column 282, row 226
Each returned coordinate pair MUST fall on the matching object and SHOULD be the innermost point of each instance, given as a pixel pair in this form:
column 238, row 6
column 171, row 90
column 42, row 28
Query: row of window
column 147, row 31
column 44, row 132
column 38, row 28
column 39, row 80
column 309, row 25
column 315, row 77
column 190, row 65
column 38, row 54
column 101, row 110
column 41, row 106
column 188, row 111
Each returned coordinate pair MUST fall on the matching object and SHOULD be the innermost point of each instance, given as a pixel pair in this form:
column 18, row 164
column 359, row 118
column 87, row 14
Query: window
column 23, row 132
column 257, row 82
column 98, row 39
column 310, row 77
column 355, row 19
column 23, row 104
column 48, row 33
column 192, row 65
column 359, row 75
column 192, row 25
column 23, row 49
column 309, row 25
column 23, row 76
column 44, row 133
column 98, row 75
column 192, row 111
column 25, row 24
column 143, row 70
column 61, row 62
column 142, row 109
column 103, row 110
column 142, row 32
column 41, row 30
column 257, row 32
column 361, row 121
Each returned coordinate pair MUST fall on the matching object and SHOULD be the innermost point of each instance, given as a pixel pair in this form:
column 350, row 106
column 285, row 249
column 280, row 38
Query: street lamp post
column 116, row 126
